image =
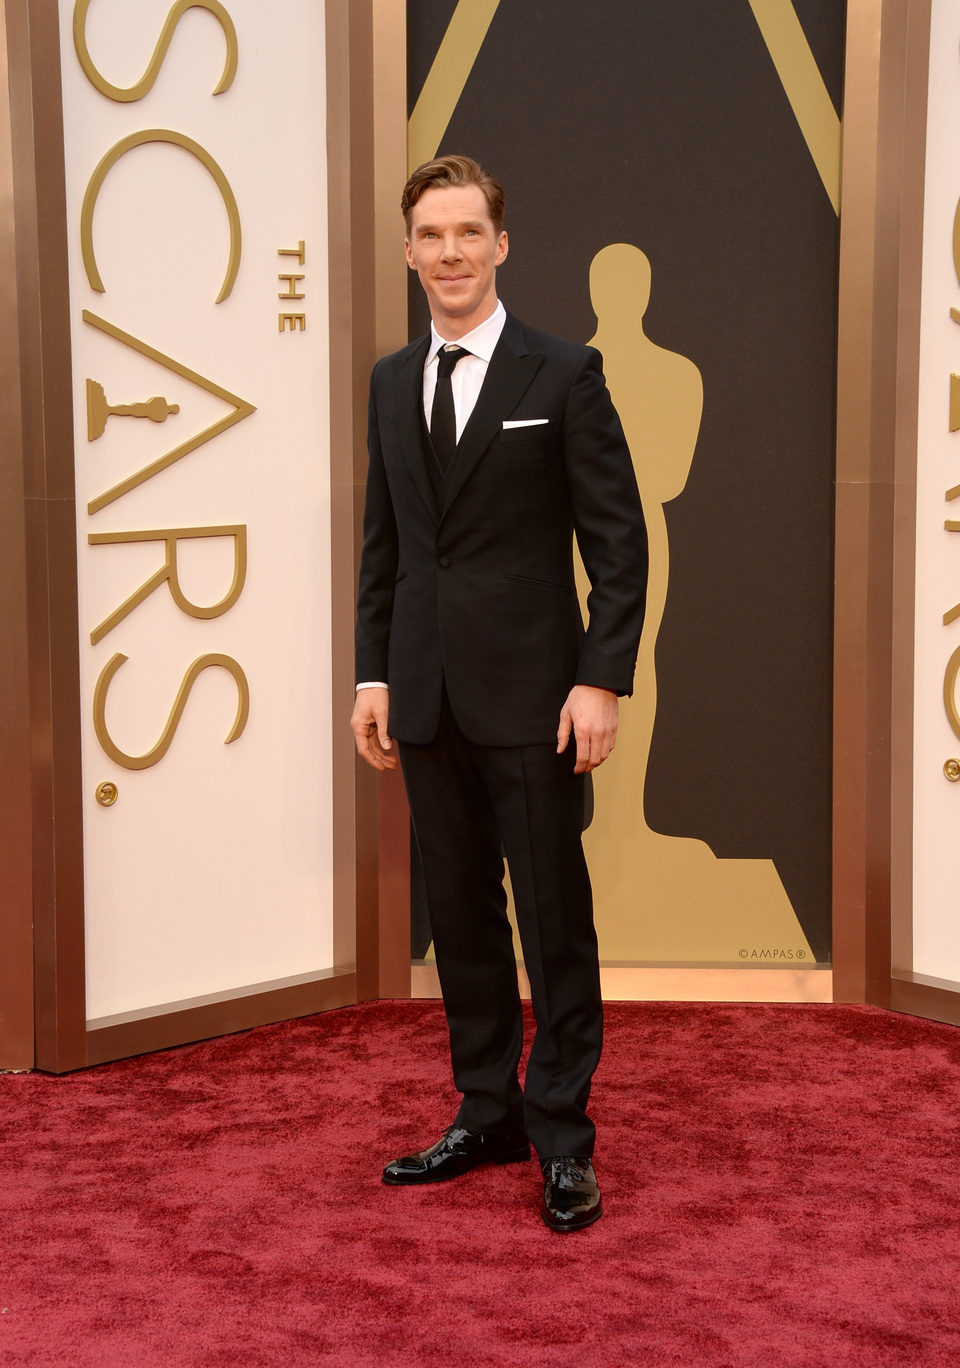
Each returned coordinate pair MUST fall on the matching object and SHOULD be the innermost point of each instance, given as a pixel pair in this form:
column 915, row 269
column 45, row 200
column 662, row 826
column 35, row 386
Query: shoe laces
column 568, row 1166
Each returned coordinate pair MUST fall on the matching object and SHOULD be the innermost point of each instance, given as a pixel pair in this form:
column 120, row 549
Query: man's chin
column 455, row 300
column 455, row 308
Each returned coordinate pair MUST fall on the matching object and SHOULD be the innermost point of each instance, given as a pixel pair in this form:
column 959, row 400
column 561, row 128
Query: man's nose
column 451, row 249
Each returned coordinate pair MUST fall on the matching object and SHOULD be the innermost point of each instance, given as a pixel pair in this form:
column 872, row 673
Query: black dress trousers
column 469, row 803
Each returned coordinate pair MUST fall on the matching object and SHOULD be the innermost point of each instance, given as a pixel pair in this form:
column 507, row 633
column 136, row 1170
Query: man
column 490, row 444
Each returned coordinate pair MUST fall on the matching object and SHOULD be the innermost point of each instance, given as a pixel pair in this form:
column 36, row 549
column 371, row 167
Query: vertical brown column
column 348, row 824
column 16, row 911
column 367, row 97
column 881, row 221
column 390, row 172
column 42, row 346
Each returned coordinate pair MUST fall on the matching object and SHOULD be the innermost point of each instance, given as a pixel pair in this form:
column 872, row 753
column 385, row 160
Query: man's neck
column 452, row 329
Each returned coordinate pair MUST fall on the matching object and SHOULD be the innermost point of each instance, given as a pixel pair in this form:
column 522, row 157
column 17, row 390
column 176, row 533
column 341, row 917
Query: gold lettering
column 299, row 252
column 953, row 525
column 139, row 762
column 241, row 409
column 950, row 691
column 294, row 319
column 128, row 94
column 953, row 613
column 120, row 149
column 168, row 573
column 99, row 411
column 291, row 286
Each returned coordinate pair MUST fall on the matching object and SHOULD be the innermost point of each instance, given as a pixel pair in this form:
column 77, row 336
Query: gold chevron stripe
column 782, row 32
column 447, row 77
column 809, row 99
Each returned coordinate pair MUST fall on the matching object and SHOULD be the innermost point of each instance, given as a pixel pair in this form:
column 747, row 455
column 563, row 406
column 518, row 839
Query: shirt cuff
column 371, row 684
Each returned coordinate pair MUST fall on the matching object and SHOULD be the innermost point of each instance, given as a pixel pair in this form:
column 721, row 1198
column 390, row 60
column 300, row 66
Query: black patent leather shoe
column 571, row 1194
column 456, row 1152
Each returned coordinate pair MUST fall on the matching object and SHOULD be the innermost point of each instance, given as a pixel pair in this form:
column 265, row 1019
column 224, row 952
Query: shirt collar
column 481, row 341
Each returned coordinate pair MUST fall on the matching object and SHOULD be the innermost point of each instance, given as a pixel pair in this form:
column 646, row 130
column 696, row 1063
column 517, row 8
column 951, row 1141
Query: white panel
column 936, row 800
column 213, row 868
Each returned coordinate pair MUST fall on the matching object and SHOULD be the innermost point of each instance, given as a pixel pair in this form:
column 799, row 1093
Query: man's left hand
column 592, row 714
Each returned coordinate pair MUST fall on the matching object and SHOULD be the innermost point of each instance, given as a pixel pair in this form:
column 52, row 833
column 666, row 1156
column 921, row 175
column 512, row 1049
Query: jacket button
column 444, row 562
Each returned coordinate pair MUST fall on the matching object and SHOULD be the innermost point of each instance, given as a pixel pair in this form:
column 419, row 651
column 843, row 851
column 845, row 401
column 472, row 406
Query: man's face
column 455, row 250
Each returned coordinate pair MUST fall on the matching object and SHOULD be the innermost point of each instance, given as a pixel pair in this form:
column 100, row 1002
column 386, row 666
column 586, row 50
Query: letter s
column 127, row 95
column 138, row 762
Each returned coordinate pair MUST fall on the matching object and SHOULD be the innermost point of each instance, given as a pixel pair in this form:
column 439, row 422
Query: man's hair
column 445, row 172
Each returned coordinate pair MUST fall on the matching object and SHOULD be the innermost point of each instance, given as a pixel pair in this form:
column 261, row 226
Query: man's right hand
column 369, row 723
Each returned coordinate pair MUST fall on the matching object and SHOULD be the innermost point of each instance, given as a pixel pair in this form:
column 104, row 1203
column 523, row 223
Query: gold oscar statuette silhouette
column 98, row 410
column 661, row 898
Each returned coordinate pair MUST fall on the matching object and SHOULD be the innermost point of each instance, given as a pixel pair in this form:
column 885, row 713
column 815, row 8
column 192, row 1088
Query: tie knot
column 447, row 359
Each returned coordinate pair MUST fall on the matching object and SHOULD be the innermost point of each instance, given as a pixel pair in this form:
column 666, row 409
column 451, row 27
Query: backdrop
column 651, row 150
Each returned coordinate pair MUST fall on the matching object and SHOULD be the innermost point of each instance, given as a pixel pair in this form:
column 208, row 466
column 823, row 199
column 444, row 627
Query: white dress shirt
column 469, row 375
column 466, row 382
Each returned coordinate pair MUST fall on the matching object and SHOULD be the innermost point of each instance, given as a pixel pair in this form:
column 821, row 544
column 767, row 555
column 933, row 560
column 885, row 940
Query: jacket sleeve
column 610, row 528
column 378, row 560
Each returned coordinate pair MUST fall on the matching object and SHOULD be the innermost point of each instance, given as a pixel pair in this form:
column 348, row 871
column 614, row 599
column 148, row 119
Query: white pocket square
column 524, row 422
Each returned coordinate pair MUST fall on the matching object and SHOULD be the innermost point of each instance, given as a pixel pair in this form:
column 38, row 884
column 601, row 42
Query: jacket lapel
column 511, row 369
column 409, row 408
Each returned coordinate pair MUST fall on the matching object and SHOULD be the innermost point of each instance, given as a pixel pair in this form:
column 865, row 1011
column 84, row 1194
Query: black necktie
column 443, row 419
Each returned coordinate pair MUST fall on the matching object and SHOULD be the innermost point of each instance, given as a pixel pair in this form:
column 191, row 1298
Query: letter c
column 120, row 149
column 950, row 691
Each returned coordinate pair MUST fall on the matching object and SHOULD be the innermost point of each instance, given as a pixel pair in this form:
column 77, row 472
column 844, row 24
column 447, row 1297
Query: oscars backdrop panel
column 196, row 185
column 936, row 794
column 664, row 202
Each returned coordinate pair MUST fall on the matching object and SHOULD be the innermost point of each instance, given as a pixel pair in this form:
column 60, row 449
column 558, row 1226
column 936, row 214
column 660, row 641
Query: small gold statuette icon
column 107, row 794
column 951, row 769
column 98, row 410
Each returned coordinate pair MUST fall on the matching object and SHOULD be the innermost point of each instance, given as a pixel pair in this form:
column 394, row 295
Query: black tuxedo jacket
column 469, row 581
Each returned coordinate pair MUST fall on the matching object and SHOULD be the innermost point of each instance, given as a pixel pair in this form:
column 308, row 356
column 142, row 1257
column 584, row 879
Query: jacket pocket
column 540, row 584
column 541, row 432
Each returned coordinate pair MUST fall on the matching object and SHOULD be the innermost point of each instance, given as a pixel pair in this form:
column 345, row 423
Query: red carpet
column 781, row 1187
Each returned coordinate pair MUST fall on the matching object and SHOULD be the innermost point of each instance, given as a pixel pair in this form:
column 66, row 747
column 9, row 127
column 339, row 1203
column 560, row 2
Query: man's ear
column 503, row 247
column 411, row 262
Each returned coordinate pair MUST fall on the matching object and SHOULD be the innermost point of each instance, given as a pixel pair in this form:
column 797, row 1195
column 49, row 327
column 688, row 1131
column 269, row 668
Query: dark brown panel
column 852, row 547
column 916, row 74
column 181, row 1026
column 16, row 912
column 50, row 528
column 352, row 204
column 375, row 322
column 346, row 813
column 884, row 116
